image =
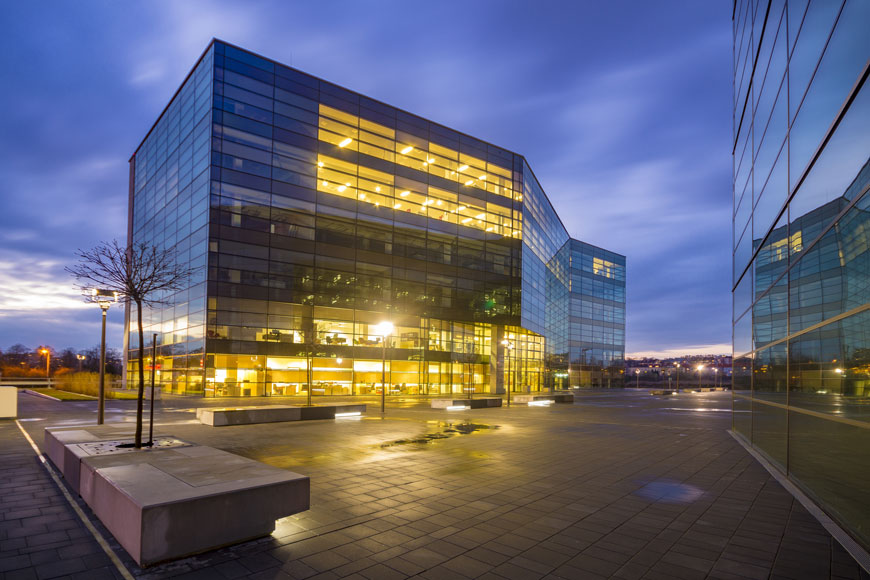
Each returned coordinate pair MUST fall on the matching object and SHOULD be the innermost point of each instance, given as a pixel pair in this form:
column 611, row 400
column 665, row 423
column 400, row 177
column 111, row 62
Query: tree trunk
column 139, row 398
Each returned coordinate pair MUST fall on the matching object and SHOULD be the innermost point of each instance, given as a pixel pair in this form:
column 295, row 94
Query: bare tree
column 142, row 273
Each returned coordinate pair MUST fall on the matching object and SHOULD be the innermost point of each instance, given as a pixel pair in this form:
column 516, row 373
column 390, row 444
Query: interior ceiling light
column 347, row 141
column 460, row 208
column 480, row 216
column 397, row 206
column 463, row 167
column 378, row 189
column 362, row 196
column 466, row 220
column 342, row 187
column 489, row 229
column 469, row 182
column 325, row 183
column 404, row 193
column 430, row 160
column 320, row 163
column 438, row 202
column 482, row 177
column 407, row 150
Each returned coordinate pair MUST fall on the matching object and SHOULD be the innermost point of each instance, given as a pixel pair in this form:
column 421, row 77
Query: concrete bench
column 556, row 398
column 163, row 504
column 225, row 416
column 481, row 403
column 8, row 402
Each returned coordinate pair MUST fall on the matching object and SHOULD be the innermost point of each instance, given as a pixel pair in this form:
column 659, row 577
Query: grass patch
column 62, row 395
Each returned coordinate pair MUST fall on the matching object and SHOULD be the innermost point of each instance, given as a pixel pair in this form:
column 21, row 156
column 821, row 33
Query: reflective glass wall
column 169, row 192
column 801, row 251
column 330, row 214
column 597, row 316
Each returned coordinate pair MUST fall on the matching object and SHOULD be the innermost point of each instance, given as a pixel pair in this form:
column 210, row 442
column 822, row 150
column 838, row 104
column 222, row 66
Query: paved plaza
column 620, row 484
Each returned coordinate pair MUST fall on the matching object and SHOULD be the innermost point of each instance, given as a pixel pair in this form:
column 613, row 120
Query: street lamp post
column 637, row 378
column 81, row 358
column 153, row 372
column 384, row 329
column 678, row 376
column 700, row 374
column 510, row 346
column 47, row 354
column 104, row 299
column 716, row 377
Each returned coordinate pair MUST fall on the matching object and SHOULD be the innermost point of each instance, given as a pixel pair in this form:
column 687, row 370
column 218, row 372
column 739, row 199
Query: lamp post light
column 510, row 346
column 716, row 377
column 81, row 358
column 47, row 354
column 700, row 374
column 637, row 378
column 104, row 299
column 384, row 329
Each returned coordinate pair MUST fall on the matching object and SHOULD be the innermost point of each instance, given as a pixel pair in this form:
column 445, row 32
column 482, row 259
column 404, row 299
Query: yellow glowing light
column 466, row 220
column 342, row 187
column 404, row 193
column 325, row 183
column 463, row 167
column 320, row 163
column 460, row 208
column 438, row 202
column 489, row 229
column 347, row 141
column 430, row 160
column 480, row 216
column 482, row 177
column 362, row 196
column 407, row 150
column 378, row 189
column 397, row 206
column 469, row 182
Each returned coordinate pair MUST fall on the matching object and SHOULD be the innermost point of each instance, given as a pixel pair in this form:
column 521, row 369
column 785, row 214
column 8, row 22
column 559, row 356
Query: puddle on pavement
column 668, row 491
column 447, row 430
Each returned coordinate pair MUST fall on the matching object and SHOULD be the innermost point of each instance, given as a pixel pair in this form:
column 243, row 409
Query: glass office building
column 801, row 283
column 316, row 214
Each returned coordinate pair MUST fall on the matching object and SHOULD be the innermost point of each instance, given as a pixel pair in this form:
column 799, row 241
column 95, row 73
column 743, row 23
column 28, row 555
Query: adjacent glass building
column 316, row 214
column 801, row 283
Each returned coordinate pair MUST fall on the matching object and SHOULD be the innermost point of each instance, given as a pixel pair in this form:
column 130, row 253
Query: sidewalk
column 618, row 485
column 40, row 535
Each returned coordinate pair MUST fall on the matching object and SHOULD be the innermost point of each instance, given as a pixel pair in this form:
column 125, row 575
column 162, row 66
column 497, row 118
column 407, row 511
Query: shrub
column 85, row 383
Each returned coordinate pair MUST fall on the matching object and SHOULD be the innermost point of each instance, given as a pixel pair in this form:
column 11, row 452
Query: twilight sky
column 621, row 108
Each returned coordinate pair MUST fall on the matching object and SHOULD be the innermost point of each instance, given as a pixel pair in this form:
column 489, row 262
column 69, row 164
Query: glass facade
column 320, row 214
column 801, row 250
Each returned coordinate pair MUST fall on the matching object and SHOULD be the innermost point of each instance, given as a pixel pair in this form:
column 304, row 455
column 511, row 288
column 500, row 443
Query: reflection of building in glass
column 801, row 248
column 318, row 213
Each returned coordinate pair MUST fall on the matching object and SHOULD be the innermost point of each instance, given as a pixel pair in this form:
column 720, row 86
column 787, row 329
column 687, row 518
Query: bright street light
column 104, row 299
column 384, row 329
column 510, row 346
column 47, row 354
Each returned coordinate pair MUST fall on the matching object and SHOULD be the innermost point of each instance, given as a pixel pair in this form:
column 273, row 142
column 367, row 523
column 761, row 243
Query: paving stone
column 551, row 494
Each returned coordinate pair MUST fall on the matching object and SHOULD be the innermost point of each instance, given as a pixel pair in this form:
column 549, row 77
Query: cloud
column 148, row 73
column 35, row 286
column 688, row 349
